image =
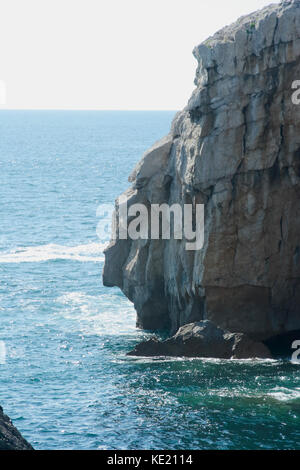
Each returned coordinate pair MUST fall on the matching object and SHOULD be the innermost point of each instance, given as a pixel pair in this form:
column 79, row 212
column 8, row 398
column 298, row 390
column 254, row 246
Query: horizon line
column 85, row 109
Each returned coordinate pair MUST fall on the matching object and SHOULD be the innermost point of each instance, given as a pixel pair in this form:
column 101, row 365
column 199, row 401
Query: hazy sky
column 106, row 54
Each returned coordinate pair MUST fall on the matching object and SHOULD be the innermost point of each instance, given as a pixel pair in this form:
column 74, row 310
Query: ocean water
column 65, row 379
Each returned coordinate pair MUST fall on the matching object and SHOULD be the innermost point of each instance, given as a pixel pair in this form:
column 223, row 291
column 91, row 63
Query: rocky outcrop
column 236, row 149
column 10, row 438
column 204, row 339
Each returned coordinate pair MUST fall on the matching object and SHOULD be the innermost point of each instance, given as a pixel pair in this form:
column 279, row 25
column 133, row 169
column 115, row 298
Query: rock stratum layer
column 10, row 438
column 236, row 149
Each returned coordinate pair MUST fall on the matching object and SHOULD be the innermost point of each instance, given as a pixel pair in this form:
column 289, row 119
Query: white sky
column 106, row 54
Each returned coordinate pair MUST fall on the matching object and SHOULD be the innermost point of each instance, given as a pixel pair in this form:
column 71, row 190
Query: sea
column 65, row 379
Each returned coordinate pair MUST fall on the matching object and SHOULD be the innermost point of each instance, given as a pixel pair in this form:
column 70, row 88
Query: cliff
column 10, row 438
column 236, row 149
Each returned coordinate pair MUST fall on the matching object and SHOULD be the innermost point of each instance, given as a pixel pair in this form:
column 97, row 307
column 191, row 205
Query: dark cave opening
column 281, row 345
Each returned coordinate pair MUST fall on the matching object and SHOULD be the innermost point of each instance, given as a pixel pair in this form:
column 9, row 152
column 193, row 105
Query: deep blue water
column 65, row 380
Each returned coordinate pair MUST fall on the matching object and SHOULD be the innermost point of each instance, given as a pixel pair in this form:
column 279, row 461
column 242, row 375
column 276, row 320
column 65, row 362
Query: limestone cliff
column 235, row 148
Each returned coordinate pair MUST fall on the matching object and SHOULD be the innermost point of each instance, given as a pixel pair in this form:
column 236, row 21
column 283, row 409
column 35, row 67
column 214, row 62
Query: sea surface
column 65, row 379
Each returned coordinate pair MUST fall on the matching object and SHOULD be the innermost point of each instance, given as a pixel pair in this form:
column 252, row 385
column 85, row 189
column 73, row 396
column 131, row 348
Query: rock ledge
column 204, row 339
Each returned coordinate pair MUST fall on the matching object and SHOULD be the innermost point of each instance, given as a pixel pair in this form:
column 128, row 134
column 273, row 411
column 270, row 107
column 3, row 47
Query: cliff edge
column 236, row 149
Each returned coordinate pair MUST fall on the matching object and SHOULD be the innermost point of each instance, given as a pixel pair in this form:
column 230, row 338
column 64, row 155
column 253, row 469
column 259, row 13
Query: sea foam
column 35, row 254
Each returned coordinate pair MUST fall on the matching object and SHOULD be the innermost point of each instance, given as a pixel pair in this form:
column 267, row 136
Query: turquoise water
column 66, row 381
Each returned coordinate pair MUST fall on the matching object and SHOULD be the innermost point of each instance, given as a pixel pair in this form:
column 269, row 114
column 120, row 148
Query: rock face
column 204, row 339
column 236, row 149
column 10, row 438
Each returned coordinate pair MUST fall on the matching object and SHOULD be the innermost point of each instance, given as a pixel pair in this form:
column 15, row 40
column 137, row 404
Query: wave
column 284, row 394
column 35, row 254
column 106, row 314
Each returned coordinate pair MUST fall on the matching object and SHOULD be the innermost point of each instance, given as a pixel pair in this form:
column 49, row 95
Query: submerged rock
column 10, row 438
column 203, row 339
column 236, row 149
